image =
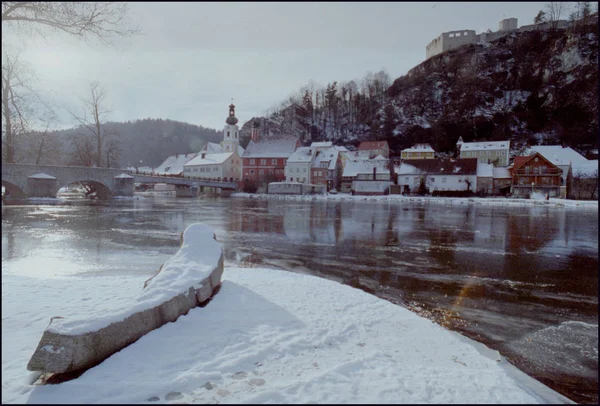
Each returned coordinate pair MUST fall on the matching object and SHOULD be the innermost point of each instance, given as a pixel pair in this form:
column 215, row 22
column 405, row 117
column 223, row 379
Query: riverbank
column 552, row 202
column 268, row 336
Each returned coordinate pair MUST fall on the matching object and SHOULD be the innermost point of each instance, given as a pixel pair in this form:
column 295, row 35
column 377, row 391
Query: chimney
column 374, row 173
column 255, row 130
column 203, row 155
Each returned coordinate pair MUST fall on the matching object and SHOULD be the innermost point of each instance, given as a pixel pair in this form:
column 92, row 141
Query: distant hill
column 149, row 141
column 529, row 87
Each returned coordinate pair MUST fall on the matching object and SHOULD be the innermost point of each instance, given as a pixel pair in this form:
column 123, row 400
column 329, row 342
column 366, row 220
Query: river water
column 523, row 280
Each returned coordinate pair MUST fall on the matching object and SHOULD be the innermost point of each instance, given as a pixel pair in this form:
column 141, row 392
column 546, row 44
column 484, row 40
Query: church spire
column 232, row 119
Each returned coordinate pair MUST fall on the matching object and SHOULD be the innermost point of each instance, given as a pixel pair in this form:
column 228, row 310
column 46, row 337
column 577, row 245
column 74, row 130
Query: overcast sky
column 192, row 58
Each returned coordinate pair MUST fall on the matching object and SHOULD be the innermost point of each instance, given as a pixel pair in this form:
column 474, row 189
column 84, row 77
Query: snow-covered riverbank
column 587, row 204
column 268, row 336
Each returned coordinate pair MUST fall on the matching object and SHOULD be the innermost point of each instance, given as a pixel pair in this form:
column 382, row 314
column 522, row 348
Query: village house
column 535, row 173
column 418, row 151
column 501, row 181
column 173, row 165
column 375, row 148
column 225, row 166
column 489, row 152
column 438, row 175
column 485, row 179
column 364, row 170
column 264, row 161
column 299, row 164
column 327, row 168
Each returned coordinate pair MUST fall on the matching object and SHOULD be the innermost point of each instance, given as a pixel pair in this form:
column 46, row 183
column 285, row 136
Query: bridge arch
column 13, row 190
column 102, row 191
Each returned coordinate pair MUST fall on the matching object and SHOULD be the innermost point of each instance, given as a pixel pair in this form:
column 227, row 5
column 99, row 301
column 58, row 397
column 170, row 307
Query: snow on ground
column 268, row 336
column 499, row 201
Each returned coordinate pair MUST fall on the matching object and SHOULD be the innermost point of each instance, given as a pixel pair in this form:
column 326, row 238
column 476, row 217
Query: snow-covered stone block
column 184, row 281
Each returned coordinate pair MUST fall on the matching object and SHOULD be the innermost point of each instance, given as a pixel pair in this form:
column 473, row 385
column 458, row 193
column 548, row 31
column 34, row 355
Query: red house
column 264, row 161
column 376, row 147
column 535, row 173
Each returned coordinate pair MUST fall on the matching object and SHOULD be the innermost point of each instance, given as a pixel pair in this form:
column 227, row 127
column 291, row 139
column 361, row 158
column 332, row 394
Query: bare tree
column 18, row 100
column 102, row 20
column 95, row 132
column 554, row 10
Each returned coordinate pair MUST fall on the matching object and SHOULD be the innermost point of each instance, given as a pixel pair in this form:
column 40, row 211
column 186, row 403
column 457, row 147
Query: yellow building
column 418, row 151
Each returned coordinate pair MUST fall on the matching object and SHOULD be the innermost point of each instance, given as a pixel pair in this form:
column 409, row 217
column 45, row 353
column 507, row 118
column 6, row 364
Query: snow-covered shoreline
column 583, row 204
column 268, row 336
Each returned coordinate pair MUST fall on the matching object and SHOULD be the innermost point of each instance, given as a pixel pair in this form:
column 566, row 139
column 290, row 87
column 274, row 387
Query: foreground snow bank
column 498, row 201
column 186, row 280
column 275, row 336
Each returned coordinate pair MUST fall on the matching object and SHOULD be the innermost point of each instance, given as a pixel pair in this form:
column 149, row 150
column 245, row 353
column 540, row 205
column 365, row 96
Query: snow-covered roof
column 557, row 154
column 484, row 145
column 325, row 144
column 589, row 168
column 501, row 173
column 379, row 158
column 302, row 154
column 214, row 148
column 124, row 176
column 485, row 170
column 327, row 155
column 419, row 148
column 173, row 165
column 209, row 159
column 41, row 175
column 340, row 148
column 281, row 148
column 357, row 155
column 354, row 168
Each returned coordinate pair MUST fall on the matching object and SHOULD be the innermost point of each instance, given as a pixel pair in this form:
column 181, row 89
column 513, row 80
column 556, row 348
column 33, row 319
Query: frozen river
column 523, row 280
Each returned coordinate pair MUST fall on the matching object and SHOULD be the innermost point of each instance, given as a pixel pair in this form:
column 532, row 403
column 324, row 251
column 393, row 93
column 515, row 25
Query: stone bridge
column 22, row 180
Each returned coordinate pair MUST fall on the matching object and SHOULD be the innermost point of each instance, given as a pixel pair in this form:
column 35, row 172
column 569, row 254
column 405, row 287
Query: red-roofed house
column 535, row 172
column 376, row 147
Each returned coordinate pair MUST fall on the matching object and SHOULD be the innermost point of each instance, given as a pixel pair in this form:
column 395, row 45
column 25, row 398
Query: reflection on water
column 518, row 279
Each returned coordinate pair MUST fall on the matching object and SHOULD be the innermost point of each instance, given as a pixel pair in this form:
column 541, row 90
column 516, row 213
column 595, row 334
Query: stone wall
column 62, row 351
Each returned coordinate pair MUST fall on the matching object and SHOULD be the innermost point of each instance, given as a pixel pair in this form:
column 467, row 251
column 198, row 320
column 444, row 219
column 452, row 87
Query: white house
column 367, row 170
column 224, row 166
column 298, row 165
column 489, row 152
column 173, row 165
column 438, row 174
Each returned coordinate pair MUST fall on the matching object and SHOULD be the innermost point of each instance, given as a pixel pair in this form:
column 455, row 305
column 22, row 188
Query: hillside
column 531, row 87
column 145, row 142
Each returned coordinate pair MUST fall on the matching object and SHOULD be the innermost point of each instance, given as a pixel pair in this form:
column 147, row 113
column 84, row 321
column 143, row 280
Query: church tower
column 231, row 132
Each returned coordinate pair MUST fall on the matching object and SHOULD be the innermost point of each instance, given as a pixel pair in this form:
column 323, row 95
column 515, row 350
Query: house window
column 444, row 179
column 304, row 169
column 261, row 172
column 252, row 162
column 297, row 169
column 273, row 161
column 251, row 171
column 263, row 161
column 544, row 169
column 432, row 179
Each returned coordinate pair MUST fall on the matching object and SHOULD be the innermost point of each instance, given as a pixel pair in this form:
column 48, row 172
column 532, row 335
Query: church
column 219, row 161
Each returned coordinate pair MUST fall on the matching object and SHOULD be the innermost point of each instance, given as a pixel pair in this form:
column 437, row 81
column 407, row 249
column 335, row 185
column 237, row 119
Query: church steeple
column 232, row 119
column 231, row 131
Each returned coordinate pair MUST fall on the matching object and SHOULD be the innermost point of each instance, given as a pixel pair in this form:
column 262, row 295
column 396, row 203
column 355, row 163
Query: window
column 251, row 171
column 444, row 179
column 273, row 161
column 544, row 169
column 432, row 180
column 252, row 162
column 297, row 169
column 261, row 172
column 304, row 170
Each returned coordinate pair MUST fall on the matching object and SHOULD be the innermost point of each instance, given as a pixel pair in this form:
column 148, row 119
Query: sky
column 191, row 59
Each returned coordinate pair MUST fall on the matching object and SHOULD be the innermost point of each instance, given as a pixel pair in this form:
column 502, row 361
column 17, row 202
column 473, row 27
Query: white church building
column 219, row 162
